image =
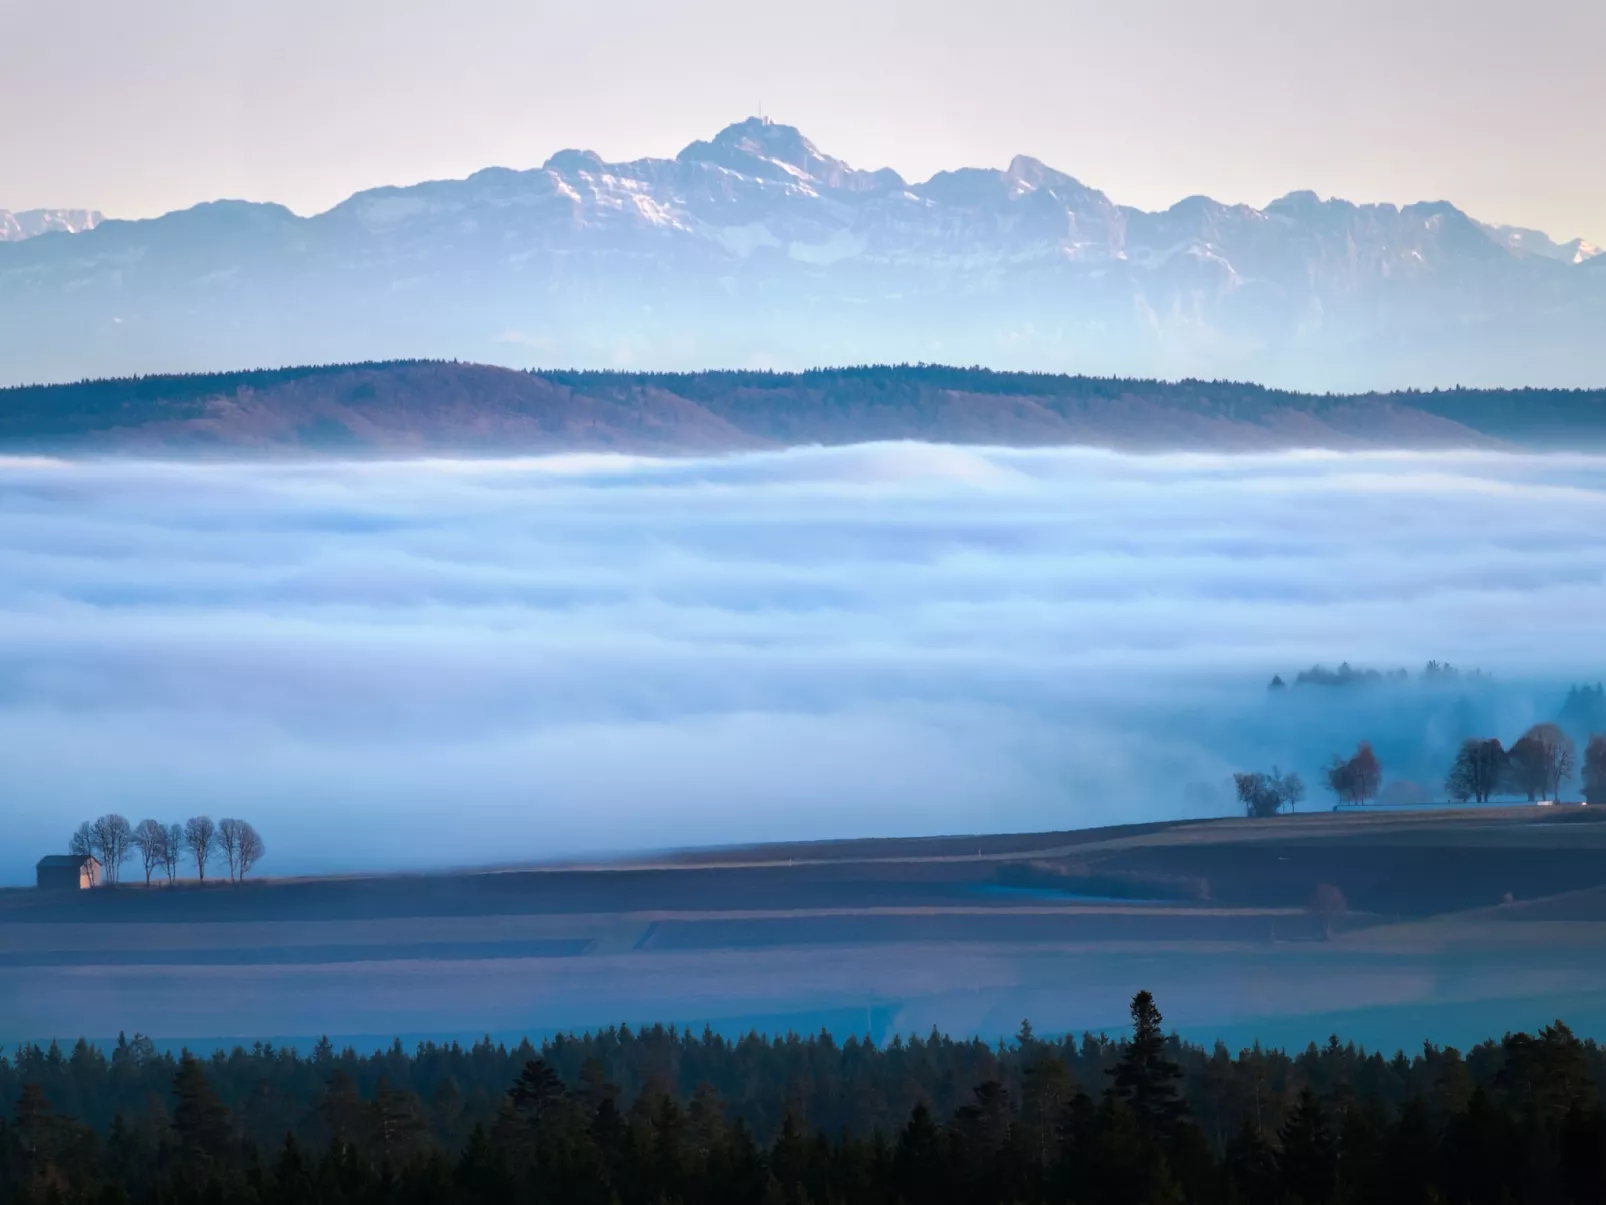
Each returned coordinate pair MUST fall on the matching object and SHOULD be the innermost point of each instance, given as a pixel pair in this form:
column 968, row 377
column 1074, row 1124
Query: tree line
column 1349, row 675
column 654, row 1116
column 1537, row 765
column 162, row 848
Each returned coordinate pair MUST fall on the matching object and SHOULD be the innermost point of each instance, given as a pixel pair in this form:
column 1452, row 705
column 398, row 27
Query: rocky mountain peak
column 768, row 149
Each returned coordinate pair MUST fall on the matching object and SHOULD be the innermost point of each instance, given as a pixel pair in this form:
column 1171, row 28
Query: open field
column 969, row 933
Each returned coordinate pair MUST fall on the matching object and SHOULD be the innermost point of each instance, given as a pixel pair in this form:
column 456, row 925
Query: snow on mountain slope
column 14, row 227
column 756, row 248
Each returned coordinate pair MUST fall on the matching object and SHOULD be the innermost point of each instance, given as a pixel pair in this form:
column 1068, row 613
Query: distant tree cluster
column 1479, row 771
column 656, row 1116
column 1267, row 794
column 163, row 848
column 1355, row 779
column 1536, row 765
column 1348, row 675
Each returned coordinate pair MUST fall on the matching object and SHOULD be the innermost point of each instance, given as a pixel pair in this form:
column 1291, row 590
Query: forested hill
column 423, row 406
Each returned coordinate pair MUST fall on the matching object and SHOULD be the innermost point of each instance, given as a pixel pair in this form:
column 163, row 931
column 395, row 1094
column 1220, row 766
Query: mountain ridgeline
column 758, row 248
column 408, row 407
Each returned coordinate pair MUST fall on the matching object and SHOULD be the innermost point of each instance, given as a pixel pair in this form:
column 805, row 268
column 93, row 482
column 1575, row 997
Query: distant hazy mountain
column 756, row 248
column 14, row 227
column 424, row 407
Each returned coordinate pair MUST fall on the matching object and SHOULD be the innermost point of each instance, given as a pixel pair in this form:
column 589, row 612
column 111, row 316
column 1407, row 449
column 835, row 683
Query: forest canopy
column 659, row 1114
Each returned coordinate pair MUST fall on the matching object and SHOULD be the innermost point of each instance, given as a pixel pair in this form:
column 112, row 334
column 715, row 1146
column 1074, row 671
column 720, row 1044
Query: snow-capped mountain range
column 756, row 248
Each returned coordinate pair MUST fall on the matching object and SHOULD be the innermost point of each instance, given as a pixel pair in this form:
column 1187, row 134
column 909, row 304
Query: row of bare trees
column 163, row 848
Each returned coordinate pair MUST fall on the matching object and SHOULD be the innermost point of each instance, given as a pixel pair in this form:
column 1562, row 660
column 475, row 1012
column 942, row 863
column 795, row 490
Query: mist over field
column 429, row 663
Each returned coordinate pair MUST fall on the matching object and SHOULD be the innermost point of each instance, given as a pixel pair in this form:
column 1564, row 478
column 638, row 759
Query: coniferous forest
column 659, row 1115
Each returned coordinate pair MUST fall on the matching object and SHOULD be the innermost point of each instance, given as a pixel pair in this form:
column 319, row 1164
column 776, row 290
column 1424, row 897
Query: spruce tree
column 1144, row 1079
column 200, row 1121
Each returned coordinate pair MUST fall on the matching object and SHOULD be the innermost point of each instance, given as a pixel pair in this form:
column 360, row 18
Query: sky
column 137, row 107
column 452, row 663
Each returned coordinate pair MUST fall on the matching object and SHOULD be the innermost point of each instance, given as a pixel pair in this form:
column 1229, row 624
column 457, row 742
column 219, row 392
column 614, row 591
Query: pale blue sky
column 139, row 106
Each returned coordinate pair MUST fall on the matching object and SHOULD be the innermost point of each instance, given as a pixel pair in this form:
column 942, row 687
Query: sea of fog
column 448, row 662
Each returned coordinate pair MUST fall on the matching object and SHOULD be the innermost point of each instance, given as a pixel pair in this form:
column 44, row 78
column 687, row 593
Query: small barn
column 67, row 872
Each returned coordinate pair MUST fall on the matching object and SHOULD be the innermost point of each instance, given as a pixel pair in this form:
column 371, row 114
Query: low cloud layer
column 452, row 662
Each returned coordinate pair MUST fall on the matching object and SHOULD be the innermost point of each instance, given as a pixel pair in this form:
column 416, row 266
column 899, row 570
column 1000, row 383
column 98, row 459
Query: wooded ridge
column 415, row 407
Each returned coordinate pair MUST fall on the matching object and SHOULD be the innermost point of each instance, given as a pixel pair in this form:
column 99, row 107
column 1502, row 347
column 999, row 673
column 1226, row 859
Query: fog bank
column 433, row 663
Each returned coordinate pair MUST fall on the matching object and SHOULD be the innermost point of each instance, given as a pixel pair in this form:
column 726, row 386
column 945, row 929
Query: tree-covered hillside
column 419, row 406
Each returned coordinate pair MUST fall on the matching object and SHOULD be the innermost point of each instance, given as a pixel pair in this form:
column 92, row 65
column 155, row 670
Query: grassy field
column 1432, row 923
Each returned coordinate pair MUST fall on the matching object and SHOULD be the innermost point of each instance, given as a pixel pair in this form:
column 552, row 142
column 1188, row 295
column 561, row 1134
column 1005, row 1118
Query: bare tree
column 1560, row 756
column 1265, row 795
column 251, row 848
column 1541, row 760
column 82, row 842
column 1290, row 788
column 112, row 837
column 1478, row 772
column 1257, row 794
column 150, row 839
column 200, row 836
column 1525, row 770
column 240, row 845
column 1367, row 772
column 228, row 841
column 172, row 850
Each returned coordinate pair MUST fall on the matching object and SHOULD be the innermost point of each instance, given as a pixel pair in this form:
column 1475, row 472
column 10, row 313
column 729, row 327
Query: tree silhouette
column 251, row 849
column 1144, row 1078
column 1357, row 779
column 1309, row 1157
column 1540, row 761
column 1265, row 795
column 107, row 840
column 200, row 837
column 1478, row 771
column 200, row 1121
column 172, row 850
column 150, row 839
